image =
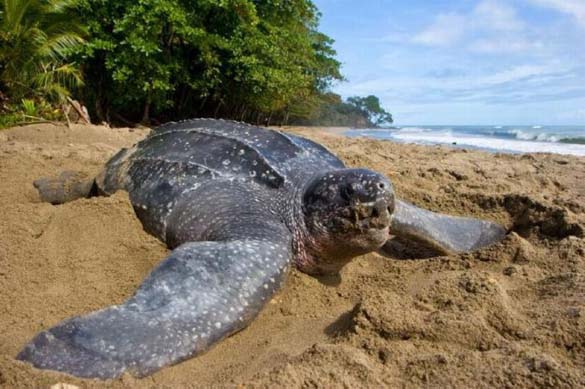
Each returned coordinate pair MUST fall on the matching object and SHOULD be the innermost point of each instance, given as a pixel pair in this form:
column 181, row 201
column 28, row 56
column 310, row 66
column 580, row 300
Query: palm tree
column 36, row 37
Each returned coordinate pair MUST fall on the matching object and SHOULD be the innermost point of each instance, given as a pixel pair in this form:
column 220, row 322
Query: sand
column 511, row 315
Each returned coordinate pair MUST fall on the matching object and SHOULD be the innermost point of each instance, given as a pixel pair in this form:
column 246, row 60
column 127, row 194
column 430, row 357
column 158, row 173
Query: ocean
column 508, row 139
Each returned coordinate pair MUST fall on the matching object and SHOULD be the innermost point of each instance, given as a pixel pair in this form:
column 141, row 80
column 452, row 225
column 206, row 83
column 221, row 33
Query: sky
column 496, row 62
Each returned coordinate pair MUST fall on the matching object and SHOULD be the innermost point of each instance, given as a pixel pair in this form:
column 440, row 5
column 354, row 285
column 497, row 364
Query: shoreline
column 478, row 141
column 511, row 314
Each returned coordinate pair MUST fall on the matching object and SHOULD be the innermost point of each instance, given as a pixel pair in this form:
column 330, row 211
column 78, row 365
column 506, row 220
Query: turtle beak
column 376, row 213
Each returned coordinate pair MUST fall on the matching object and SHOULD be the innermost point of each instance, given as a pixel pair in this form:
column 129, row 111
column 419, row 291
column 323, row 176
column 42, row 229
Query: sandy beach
column 511, row 315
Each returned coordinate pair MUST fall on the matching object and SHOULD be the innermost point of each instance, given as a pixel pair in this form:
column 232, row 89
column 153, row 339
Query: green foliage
column 261, row 61
column 8, row 119
column 329, row 110
column 370, row 106
column 29, row 107
column 244, row 59
column 36, row 36
column 28, row 110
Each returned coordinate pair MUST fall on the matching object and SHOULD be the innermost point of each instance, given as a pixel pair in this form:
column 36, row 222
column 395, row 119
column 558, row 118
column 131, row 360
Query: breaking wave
column 545, row 137
column 514, row 139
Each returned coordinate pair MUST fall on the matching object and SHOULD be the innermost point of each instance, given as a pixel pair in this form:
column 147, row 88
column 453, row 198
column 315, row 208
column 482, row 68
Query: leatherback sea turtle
column 239, row 205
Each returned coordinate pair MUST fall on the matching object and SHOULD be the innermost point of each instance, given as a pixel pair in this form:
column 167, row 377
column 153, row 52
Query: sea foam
column 517, row 139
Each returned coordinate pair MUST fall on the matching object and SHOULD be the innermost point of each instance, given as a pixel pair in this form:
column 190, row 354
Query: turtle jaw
column 326, row 253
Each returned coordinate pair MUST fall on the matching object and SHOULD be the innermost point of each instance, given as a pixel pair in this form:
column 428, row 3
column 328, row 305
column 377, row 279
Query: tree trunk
column 217, row 110
column 146, row 112
column 201, row 106
column 182, row 99
column 99, row 108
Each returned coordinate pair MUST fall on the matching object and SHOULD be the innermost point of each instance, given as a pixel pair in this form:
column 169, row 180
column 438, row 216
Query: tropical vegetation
column 129, row 61
column 37, row 40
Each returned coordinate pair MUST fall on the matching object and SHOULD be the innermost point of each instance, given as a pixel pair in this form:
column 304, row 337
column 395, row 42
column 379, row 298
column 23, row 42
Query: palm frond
column 58, row 47
column 36, row 37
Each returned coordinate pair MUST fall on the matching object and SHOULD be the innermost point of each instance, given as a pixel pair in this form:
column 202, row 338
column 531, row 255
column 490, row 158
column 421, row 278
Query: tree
column 370, row 106
column 328, row 109
column 244, row 59
column 36, row 38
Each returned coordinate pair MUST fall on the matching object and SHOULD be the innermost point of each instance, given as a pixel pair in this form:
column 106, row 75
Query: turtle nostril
column 346, row 192
column 391, row 208
column 375, row 212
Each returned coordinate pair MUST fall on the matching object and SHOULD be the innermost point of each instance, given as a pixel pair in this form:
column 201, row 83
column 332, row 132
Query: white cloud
column 446, row 30
column 488, row 18
column 574, row 8
column 498, row 30
column 516, row 73
column 521, row 81
column 497, row 45
column 495, row 15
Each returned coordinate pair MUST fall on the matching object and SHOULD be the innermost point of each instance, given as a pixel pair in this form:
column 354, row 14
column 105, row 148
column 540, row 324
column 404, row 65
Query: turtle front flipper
column 68, row 186
column 200, row 294
column 443, row 233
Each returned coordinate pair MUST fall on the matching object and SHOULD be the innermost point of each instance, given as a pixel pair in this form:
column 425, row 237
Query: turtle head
column 347, row 213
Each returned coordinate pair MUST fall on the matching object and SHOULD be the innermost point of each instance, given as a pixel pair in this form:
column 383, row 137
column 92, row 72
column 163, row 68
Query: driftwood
column 37, row 120
column 78, row 114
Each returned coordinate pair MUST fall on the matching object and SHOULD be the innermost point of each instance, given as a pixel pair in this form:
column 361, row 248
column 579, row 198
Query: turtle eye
column 346, row 192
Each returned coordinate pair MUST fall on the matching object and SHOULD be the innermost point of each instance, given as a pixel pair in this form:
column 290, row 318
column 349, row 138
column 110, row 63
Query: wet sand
column 509, row 315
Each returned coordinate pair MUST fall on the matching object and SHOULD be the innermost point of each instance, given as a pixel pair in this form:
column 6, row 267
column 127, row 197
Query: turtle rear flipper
column 443, row 233
column 68, row 186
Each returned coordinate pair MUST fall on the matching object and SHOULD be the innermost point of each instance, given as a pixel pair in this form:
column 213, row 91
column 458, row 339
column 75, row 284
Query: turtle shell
column 180, row 157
